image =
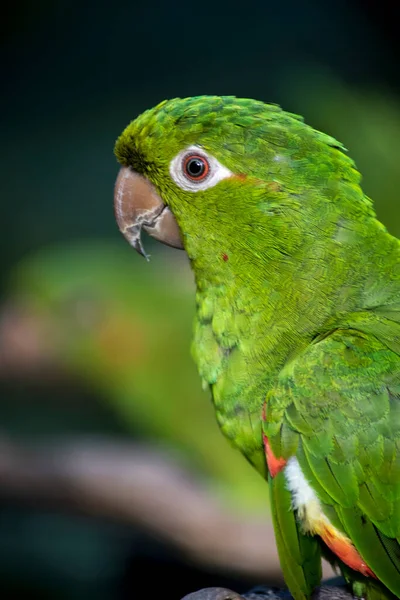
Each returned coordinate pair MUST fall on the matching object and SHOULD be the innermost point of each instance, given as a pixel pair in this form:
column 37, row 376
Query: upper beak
column 137, row 205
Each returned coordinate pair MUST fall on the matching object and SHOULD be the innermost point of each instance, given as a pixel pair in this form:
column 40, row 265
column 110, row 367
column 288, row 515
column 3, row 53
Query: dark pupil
column 195, row 167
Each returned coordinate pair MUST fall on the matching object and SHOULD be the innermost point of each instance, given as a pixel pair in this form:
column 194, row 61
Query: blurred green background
column 114, row 479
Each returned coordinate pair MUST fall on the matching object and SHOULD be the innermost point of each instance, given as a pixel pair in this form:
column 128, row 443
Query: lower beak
column 138, row 206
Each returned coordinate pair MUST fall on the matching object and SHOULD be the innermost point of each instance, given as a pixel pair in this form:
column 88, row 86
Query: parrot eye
column 196, row 167
column 194, row 170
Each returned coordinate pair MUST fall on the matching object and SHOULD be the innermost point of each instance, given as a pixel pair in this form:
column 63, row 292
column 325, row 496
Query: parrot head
column 207, row 174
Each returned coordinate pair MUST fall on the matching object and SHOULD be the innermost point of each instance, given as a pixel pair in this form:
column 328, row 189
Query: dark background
column 73, row 75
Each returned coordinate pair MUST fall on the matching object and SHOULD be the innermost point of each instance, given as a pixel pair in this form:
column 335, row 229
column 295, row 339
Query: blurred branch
column 140, row 486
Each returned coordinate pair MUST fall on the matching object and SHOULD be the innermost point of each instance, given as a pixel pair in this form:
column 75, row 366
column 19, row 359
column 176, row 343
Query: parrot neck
column 264, row 311
column 252, row 314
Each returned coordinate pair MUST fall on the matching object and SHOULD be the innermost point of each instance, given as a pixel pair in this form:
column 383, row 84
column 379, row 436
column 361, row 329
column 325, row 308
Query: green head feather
column 284, row 169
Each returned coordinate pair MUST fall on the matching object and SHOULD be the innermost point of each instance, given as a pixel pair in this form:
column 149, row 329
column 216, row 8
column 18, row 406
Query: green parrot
column 297, row 326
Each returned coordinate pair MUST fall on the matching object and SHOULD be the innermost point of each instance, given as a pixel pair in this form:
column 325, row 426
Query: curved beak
column 138, row 206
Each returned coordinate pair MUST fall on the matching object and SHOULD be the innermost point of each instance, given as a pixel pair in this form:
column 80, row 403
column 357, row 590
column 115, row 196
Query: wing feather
column 341, row 397
column 299, row 554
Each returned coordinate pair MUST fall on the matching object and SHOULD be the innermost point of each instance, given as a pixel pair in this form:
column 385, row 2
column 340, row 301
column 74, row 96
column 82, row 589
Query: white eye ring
column 212, row 174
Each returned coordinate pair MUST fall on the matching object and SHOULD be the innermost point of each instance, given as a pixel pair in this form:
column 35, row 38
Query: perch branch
column 325, row 592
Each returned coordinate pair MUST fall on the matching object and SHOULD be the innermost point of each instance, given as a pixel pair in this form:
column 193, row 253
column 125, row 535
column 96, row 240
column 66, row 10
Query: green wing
column 337, row 408
column 299, row 555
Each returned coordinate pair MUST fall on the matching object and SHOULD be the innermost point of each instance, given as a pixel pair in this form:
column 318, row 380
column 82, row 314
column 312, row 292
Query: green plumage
column 298, row 306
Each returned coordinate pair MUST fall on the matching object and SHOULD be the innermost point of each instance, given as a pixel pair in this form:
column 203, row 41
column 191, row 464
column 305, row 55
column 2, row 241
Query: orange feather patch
column 344, row 550
column 275, row 465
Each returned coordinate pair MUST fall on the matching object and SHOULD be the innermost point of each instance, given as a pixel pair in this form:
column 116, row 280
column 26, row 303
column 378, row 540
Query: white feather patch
column 304, row 499
column 302, row 492
column 313, row 520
